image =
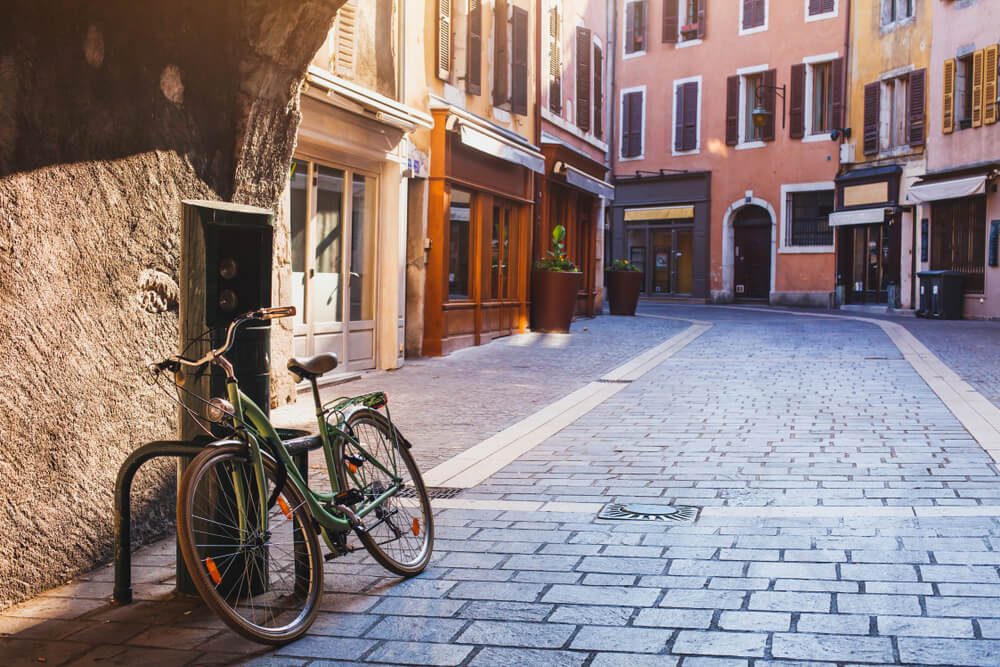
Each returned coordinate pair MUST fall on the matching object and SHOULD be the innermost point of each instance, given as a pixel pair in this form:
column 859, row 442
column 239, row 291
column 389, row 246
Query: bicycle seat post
column 315, row 392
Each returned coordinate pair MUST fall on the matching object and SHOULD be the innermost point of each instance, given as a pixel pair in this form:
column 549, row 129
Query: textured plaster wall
column 110, row 113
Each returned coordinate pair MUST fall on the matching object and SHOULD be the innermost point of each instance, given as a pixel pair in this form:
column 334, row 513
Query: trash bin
column 941, row 294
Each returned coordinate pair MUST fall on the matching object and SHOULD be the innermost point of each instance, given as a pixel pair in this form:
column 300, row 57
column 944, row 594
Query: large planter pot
column 623, row 291
column 553, row 300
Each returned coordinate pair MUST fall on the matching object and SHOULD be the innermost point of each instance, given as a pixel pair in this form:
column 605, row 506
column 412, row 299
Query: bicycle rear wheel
column 265, row 584
column 400, row 531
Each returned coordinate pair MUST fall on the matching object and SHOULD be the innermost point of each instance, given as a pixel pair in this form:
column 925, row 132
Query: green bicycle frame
column 246, row 412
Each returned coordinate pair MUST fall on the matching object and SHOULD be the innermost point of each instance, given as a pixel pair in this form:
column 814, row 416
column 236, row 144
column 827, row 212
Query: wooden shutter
column 837, row 93
column 519, row 63
column 733, row 110
column 748, row 6
column 632, row 125
column 815, row 7
column 690, row 116
column 977, row 88
column 501, row 61
column 640, row 25
column 345, row 41
column 670, row 21
column 629, row 29
column 990, row 55
column 702, row 20
column 827, row 6
column 555, row 61
column 474, row 52
column 626, row 126
column 796, row 102
column 444, row 40
column 583, row 79
column 948, row 98
column 598, row 92
column 758, row 12
column 679, row 118
column 916, row 127
column 870, row 134
column 769, row 80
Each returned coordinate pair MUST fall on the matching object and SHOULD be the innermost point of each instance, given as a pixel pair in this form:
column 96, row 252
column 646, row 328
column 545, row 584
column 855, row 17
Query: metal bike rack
column 298, row 443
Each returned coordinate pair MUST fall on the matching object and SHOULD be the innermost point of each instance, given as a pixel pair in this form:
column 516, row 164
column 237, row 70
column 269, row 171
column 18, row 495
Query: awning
column 863, row 216
column 953, row 189
column 498, row 146
column 384, row 109
column 584, row 181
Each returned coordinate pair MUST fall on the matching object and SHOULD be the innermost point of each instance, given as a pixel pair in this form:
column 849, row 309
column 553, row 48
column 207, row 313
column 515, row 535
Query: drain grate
column 640, row 512
column 614, row 381
column 432, row 492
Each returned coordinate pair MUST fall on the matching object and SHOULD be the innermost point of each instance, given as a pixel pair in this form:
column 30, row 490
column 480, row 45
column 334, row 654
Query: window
column 753, row 16
column 820, row 99
column 820, row 8
column 444, row 40
column 751, row 87
column 808, row 218
column 555, row 60
column 633, row 111
column 583, row 71
column 816, row 97
column 683, row 20
column 474, row 49
column 687, row 109
column 501, row 59
column 963, row 92
column 895, row 105
column 896, row 10
column 635, row 27
column 519, row 62
column 894, row 113
column 958, row 239
column 744, row 91
column 458, row 245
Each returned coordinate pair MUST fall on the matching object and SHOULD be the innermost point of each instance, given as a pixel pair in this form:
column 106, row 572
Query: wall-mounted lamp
column 840, row 131
column 760, row 115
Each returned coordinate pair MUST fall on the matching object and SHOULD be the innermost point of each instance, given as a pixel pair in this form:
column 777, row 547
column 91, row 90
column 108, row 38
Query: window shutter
column 444, row 40
column 555, row 61
column 948, row 98
column 733, row 110
column 635, row 122
column 990, row 85
column 690, row 116
column 345, row 42
column 474, row 53
column 758, row 12
column 815, row 7
column 598, row 92
column 702, row 22
column 796, row 102
column 626, row 129
column 828, row 6
column 679, row 118
column 748, row 6
column 769, row 79
column 640, row 25
column 837, row 92
column 519, row 67
column 629, row 28
column 501, row 93
column 583, row 79
column 870, row 135
column 670, row 21
column 915, row 118
column 977, row 88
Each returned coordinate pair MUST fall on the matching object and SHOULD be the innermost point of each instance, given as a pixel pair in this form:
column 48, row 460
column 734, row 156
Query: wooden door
column 752, row 254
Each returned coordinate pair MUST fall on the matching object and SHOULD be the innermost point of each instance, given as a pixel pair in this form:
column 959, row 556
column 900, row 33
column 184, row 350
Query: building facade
column 886, row 152
column 713, row 205
column 956, row 200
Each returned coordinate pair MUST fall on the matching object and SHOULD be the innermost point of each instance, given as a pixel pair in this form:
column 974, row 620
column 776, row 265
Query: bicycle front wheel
column 400, row 531
column 265, row 582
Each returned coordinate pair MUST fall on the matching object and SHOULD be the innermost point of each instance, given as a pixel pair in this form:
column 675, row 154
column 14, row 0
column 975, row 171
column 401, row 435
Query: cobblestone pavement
column 801, row 439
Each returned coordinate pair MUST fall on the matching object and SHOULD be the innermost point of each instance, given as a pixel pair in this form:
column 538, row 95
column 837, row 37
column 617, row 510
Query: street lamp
column 759, row 114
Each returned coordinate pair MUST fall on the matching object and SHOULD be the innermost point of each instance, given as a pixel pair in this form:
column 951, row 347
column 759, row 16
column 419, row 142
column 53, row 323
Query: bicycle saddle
column 312, row 367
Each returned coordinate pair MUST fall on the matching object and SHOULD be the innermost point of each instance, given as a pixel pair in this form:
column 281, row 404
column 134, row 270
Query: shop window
column 808, row 218
column 958, row 239
column 298, row 218
column 458, row 245
column 327, row 278
column 500, row 252
column 362, row 277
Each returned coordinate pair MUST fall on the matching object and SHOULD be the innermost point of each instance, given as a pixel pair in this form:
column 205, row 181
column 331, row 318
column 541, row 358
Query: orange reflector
column 213, row 571
column 416, row 526
column 353, row 468
column 284, row 507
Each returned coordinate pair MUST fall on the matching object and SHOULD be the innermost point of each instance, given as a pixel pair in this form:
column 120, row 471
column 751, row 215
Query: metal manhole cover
column 642, row 512
column 432, row 492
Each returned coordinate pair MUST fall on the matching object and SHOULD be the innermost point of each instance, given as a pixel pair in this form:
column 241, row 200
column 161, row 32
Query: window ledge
column 631, row 159
column 805, row 250
column 811, row 138
column 676, row 153
column 821, row 17
column 751, row 31
column 688, row 42
column 634, row 54
column 750, row 144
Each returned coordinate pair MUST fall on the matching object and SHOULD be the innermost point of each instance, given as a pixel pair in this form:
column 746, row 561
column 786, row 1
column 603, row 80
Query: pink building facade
column 957, row 201
column 711, row 204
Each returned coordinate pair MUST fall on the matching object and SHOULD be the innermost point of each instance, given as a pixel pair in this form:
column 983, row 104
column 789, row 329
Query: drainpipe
column 612, row 51
column 847, row 80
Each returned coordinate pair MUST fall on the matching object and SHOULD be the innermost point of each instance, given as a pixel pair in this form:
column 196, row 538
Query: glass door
column 662, row 264
column 666, row 256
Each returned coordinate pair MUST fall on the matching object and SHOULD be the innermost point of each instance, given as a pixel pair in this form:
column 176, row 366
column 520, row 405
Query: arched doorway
column 752, row 253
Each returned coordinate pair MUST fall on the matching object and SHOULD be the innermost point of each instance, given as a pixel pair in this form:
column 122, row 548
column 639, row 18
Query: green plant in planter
column 624, row 265
column 555, row 259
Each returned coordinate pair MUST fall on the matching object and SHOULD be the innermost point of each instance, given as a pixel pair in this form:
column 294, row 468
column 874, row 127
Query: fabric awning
column 500, row 147
column 585, row 181
column 953, row 189
column 863, row 216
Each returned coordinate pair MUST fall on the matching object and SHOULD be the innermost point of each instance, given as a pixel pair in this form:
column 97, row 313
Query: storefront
column 479, row 216
column 868, row 223
column 660, row 224
column 574, row 194
column 346, row 227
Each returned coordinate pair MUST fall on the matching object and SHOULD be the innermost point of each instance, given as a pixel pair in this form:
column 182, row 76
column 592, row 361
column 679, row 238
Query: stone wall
column 110, row 114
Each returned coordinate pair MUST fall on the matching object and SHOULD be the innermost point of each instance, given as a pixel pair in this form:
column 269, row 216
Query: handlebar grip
column 276, row 312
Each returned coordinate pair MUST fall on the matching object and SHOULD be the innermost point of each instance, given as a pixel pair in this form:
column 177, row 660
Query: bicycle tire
column 400, row 531
column 283, row 606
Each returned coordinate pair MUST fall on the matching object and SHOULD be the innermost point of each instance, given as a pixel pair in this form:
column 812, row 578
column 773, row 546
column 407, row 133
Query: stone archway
column 728, row 291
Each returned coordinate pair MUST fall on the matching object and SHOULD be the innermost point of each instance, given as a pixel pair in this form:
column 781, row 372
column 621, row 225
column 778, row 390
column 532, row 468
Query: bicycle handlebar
column 173, row 363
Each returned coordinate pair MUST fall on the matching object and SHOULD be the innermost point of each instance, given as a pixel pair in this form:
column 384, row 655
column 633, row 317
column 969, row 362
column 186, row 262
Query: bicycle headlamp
column 217, row 409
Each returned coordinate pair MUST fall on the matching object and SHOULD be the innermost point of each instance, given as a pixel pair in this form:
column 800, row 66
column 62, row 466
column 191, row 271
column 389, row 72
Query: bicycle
column 248, row 524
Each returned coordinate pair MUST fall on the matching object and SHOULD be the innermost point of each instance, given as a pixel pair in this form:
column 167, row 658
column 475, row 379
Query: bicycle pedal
column 341, row 551
column 348, row 497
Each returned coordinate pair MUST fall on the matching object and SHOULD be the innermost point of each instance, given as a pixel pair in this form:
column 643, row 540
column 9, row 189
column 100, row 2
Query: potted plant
column 624, row 280
column 554, row 284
